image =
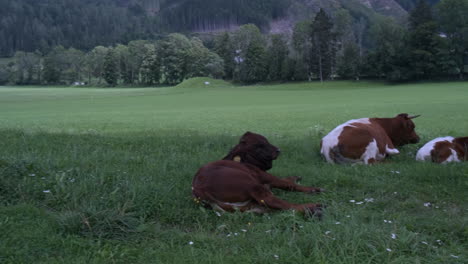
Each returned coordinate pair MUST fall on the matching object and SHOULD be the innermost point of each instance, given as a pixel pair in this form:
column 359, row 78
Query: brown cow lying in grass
column 240, row 181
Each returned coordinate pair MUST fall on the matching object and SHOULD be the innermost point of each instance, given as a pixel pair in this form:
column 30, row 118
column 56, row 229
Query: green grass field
column 99, row 175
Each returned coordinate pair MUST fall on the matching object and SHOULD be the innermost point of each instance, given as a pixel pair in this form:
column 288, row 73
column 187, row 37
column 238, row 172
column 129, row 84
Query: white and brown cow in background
column 368, row 140
column 444, row 150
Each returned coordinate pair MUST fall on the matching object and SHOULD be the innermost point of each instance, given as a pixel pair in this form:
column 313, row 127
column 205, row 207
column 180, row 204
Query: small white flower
column 369, row 200
column 385, row 221
column 453, row 256
column 32, row 174
column 427, row 204
column 389, row 250
column 228, row 235
column 276, row 256
column 301, row 226
column 395, row 193
column 393, row 236
column 337, row 223
column 352, row 201
column 190, row 243
column 327, row 232
column 348, row 216
column 397, row 172
column 46, row 191
column 243, row 230
column 424, row 242
column 389, row 221
column 236, row 234
column 359, row 202
column 439, row 241
column 217, row 213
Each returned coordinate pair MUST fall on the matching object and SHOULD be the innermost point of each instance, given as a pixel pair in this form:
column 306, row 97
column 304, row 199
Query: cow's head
column 254, row 149
column 463, row 146
column 403, row 130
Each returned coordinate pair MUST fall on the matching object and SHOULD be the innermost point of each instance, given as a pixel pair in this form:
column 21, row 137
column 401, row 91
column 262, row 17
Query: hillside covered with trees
column 30, row 25
column 430, row 42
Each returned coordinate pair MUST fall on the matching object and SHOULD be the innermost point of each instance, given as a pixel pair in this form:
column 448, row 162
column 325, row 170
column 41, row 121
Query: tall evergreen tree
column 137, row 50
column 302, row 47
column 324, row 45
column 390, row 58
column 255, row 63
column 125, row 63
column 51, row 74
column 110, row 68
column 349, row 63
column 277, row 55
column 223, row 47
column 151, row 66
column 174, row 54
column 453, row 21
column 250, row 54
column 95, row 62
column 422, row 41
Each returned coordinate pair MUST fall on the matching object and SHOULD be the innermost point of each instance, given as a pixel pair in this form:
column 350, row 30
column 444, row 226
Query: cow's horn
column 412, row 117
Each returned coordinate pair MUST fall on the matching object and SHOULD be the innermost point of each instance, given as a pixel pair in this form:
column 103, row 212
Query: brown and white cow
column 240, row 181
column 444, row 150
column 368, row 140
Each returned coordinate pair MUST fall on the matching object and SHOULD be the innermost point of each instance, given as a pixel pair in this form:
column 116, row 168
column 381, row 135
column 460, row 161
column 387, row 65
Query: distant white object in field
column 207, row 83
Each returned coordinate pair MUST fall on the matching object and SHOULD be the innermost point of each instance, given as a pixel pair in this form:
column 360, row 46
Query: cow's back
column 332, row 144
column 356, row 141
column 221, row 179
column 439, row 150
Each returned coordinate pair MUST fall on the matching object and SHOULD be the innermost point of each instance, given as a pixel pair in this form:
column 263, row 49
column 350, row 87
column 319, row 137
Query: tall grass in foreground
column 76, row 186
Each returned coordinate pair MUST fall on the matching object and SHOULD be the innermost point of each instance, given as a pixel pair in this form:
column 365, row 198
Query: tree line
column 434, row 44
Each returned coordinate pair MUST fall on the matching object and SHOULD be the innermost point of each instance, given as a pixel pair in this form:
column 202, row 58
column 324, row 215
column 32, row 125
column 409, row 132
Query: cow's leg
column 265, row 197
column 293, row 179
column 287, row 184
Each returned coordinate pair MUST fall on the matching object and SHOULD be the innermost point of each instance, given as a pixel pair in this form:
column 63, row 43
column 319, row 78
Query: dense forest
column 30, row 25
column 431, row 42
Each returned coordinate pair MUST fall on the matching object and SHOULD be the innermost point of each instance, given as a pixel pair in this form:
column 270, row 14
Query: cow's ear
column 248, row 133
column 244, row 137
column 403, row 115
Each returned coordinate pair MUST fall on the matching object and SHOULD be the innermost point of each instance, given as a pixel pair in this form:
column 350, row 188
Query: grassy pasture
column 102, row 175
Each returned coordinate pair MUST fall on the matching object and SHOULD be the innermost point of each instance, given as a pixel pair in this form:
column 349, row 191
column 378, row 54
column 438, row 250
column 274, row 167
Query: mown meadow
column 101, row 175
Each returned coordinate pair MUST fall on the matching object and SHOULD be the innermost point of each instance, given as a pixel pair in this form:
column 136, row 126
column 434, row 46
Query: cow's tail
column 337, row 157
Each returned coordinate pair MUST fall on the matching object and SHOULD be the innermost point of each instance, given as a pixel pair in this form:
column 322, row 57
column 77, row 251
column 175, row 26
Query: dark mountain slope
column 30, row 25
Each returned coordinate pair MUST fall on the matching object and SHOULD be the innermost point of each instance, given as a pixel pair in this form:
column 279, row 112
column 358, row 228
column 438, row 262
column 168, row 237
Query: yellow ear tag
column 237, row 159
